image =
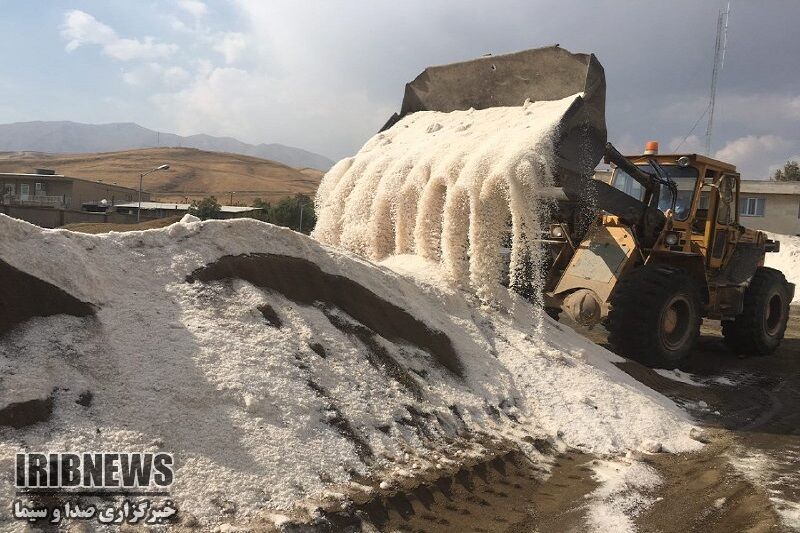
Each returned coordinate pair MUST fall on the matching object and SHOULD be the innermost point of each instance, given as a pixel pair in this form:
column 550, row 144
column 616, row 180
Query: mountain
column 74, row 137
column 193, row 173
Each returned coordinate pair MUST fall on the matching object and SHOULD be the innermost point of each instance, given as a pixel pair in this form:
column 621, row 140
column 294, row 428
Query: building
column 770, row 206
column 45, row 188
column 152, row 210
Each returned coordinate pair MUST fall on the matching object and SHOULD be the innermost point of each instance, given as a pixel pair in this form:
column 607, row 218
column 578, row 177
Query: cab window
column 726, row 214
column 684, row 177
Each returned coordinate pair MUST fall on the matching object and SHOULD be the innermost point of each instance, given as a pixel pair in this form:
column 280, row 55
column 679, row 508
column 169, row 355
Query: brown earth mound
column 102, row 227
column 305, row 283
column 23, row 296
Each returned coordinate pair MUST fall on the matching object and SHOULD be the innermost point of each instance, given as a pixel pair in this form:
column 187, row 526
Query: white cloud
column 257, row 107
column 760, row 108
column 152, row 73
column 751, row 146
column 687, row 145
column 231, row 46
column 81, row 28
column 270, row 84
column 128, row 49
column 178, row 25
column 755, row 155
column 194, row 7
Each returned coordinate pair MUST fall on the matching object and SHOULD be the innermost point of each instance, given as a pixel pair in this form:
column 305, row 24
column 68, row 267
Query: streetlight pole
column 301, row 218
column 139, row 209
column 141, row 178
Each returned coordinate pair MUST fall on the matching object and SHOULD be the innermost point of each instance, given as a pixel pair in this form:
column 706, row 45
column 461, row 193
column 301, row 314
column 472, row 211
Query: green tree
column 789, row 172
column 205, row 208
column 265, row 207
column 289, row 211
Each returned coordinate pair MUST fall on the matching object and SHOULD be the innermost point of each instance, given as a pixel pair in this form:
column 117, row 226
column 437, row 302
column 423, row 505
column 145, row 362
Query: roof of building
column 770, row 187
column 32, row 175
column 185, row 207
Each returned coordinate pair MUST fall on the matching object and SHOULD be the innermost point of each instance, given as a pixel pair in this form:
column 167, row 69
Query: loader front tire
column 655, row 316
column 759, row 329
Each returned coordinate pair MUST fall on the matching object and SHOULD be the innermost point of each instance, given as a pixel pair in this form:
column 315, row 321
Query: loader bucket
column 549, row 73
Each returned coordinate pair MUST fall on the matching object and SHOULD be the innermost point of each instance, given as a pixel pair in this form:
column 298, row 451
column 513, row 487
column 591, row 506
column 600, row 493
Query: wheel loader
column 649, row 252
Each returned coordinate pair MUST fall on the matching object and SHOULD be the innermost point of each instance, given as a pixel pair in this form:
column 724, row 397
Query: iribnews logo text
column 95, row 470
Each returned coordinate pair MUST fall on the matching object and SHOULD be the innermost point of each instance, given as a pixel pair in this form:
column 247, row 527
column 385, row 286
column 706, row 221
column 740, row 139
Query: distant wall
column 90, row 191
column 54, row 218
column 781, row 213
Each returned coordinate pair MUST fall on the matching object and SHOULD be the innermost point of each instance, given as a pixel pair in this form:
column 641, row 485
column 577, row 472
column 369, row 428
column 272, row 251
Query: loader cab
column 684, row 177
column 706, row 211
column 706, row 224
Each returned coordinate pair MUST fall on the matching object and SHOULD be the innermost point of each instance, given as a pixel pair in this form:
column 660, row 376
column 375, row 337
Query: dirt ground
column 105, row 227
column 747, row 477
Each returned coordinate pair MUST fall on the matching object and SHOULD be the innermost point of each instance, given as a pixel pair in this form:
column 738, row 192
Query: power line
column 696, row 122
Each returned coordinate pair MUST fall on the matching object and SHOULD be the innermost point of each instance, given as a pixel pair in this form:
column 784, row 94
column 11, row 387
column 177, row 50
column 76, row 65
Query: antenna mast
column 719, row 61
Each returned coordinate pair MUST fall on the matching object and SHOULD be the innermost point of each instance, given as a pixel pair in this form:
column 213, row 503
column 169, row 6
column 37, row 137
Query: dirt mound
column 305, row 283
column 23, row 296
column 94, row 228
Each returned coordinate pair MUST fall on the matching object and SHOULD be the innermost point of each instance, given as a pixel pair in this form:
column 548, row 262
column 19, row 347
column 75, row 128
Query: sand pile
column 787, row 260
column 444, row 186
column 283, row 374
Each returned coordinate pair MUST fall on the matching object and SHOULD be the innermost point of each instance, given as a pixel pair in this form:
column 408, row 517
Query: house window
column 24, row 191
column 39, row 189
column 752, row 207
column 10, row 190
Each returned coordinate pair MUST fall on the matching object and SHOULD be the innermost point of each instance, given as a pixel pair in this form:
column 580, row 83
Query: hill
column 192, row 174
column 74, row 137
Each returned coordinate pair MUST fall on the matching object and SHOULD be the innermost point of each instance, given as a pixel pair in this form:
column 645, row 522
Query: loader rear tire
column 655, row 316
column 759, row 329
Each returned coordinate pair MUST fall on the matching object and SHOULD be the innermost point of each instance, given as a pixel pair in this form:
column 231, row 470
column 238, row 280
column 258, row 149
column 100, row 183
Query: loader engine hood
column 549, row 73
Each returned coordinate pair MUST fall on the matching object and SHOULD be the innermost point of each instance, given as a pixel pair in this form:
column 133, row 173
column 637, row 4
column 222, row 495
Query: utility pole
column 139, row 209
column 301, row 218
column 719, row 61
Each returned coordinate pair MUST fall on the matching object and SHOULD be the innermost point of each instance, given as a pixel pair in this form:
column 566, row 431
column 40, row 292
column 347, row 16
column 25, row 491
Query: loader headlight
column 556, row 231
column 671, row 239
column 683, row 161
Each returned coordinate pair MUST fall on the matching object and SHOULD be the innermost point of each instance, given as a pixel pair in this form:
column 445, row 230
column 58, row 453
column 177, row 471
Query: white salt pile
column 277, row 380
column 444, row 186
column 787, row 260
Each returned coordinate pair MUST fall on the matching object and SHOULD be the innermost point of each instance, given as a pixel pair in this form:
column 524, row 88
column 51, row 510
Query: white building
column 770, row 206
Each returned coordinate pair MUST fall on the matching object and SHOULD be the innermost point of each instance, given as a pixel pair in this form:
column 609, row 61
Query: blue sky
column 324, row 75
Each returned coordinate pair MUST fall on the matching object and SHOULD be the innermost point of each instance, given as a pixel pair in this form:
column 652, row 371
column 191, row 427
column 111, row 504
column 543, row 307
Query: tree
column 789, row 172
column 289, row 211
column 265, row 207
column 205, row 208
